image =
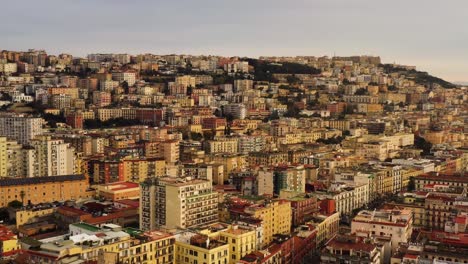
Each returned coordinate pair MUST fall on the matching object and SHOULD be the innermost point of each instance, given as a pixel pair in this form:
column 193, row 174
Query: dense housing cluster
column 119, row 158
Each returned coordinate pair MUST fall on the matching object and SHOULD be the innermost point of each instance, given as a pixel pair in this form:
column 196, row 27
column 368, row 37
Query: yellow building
column 196, row 128
column 241, row 241
column 138, row 169
column 3, row 157
column 43, row 189
column 193, row 248
column 8, row 242
column 407, row 174
column 382, row 181
column 222, row 145
column 326, row 226
column 25, row 216
column 435, row 137
column 72, row 92
column 276, row 218
column 230, row 162
column 112, row 243
column 185, row 80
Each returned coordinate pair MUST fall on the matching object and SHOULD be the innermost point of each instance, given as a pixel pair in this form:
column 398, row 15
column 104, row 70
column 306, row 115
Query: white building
column 127, row 76
column 235, row 67
column 177, row 203
column 237, row 111
column 243, row 85
column 251, row 144
column 265, row 182
column 22, row 98
column 397, row 225
column 52, row 157
column 20, row 128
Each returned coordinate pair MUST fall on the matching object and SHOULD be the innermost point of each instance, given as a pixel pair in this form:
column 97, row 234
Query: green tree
column 421, row 143
column 361, row 91
column 22, row 195
column 196, row 136
column 274, row 115
column 15, row 204
column 411, row 184
column 292, row 79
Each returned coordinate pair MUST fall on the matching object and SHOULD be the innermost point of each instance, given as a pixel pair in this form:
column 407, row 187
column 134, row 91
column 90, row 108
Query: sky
column 430, row 34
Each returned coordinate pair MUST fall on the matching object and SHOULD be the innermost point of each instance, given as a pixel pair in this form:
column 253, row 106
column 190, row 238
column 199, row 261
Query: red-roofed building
column 348, row 249
column 8, row 243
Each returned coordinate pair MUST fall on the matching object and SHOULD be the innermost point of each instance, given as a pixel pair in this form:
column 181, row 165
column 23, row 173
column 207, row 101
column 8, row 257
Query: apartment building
column 186, row 81
column 101, row 99
column 191, row 247
column 275, row 216
column 52, row 157
column 249, row 144
column 397, row 225
column 289, row 178
column 107, row 244
column 237, row 111
column 177, row 203
column 222, row 145
column 125, row 76
column 20, row 128
column 327, row 227
column 138, row 169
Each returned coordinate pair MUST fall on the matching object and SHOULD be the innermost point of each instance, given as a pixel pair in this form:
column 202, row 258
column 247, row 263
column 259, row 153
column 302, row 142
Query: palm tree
column 22, row 195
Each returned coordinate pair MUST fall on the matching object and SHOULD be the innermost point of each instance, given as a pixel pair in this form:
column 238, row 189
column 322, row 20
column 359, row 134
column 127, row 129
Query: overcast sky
column 431, row 34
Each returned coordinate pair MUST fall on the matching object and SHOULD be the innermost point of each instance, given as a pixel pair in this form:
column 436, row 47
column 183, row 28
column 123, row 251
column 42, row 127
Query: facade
column 303, row 209
column 237, row 111
column 43, row 189
column 191, row 247
column 222, row 145
column 275, row 217
column 177, row 203
column 25, row 216
column 101, row 99
column 327, row 226
column 249, row 144
column 347, row 249
column 138, row 169
column 107, row 244
column 186, row 81
column 289, row 179
column 20, row 128
column 119, row 191
column 125, row 76
column 9, row 245
column 396, row 225
column 52, row 157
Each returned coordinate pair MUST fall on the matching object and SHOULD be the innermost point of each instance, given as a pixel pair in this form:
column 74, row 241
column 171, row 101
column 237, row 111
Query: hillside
column 422, row 78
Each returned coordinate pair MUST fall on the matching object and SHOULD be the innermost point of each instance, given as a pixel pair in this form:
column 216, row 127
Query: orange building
column 119, row 191
column 43, row 189
column 75, row 120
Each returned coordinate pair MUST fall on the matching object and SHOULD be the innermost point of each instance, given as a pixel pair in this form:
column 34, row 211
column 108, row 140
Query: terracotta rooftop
column 359, row 246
